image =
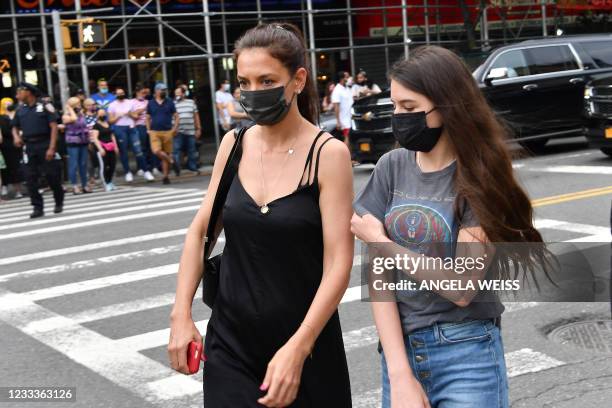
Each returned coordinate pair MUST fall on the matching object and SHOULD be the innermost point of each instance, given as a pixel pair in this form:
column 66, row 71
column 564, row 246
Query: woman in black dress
column 274, row 336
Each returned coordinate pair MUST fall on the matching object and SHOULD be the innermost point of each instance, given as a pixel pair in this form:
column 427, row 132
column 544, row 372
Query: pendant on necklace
column 264, row 209
column 290, row 151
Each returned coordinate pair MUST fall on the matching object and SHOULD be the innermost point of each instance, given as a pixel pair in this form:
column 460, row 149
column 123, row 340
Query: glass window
column 600, row 51
column 555, row 58
column 514, row 61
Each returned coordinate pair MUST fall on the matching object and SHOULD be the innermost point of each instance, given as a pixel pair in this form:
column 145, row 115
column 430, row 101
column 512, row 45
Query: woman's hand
column 102, row 152
column 182, row 332
column 368, row 228
column 408, row 393
column 283, row 376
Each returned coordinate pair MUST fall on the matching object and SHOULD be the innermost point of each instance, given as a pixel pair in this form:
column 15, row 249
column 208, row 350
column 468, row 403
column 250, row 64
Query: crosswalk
column 67, row 279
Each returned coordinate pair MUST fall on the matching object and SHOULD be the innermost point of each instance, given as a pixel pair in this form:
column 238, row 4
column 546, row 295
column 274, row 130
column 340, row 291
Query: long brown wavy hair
column 484, row 178
column 285, row 42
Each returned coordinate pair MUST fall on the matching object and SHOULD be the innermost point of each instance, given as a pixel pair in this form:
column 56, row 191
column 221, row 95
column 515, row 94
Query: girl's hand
column 408, row 393
column 102, row 152
column 283, row 376
column 116, row 150
column 182, row 332
column 368, row 228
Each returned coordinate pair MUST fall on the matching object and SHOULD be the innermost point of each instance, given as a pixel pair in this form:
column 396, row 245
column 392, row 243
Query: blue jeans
column 183, row 141
column 77, row 160
column 150, row 159
column 128, row 138
column 459, row 365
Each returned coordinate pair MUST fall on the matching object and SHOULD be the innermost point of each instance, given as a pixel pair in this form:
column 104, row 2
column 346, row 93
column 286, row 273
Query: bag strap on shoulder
column 229, row 171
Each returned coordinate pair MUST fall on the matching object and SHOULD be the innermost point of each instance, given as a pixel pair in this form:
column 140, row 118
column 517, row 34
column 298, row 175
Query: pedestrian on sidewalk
column 189, row 131
column 139, row 115
column 107, row 149
column 162, row 125
column 270, row 341
column 342, row 98
column 76, row 135
column 103, row 97
column 451, row 183
column 12, row 174
column 119, row 115
column 222, row 98
column 237, row 112
column 91, row 116
column 38, row 123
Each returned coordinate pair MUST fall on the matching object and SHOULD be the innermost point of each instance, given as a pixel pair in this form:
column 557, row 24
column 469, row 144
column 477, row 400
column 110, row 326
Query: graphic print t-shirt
column 417, row 208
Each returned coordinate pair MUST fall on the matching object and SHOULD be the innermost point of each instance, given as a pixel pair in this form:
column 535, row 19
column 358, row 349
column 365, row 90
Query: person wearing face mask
column 363, row 87
column 103, row 97
column 138, row 112
column 162, row 125
column 274, row 337
column 91, row 116
column 76, row 133
column 222, row 98
column 342, row 98
column 107, row 149
column 119, row 115
column 450, row 183
column 189, row 131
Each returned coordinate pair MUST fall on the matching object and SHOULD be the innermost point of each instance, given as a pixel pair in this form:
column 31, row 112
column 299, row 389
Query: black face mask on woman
column 266, row 106
column 411, row 131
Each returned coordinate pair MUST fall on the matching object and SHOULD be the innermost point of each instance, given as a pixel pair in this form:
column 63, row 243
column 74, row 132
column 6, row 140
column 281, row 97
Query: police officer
column 38, row 123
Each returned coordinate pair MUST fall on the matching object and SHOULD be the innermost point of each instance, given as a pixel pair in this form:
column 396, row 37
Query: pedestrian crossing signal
column 92, row 34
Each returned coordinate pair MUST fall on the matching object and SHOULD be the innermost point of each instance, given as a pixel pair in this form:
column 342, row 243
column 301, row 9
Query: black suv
column 598, row 107
column 537, row 87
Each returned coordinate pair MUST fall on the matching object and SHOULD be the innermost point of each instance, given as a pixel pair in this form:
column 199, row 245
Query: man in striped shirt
column 189, row 131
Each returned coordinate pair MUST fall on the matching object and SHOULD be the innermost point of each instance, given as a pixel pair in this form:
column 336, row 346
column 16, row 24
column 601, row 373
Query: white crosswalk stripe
column 70, row 334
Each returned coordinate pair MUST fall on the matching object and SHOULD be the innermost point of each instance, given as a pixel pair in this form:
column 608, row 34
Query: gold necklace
column 264, row 209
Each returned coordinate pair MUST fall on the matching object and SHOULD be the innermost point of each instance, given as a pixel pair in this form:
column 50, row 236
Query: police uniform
column 34, row 122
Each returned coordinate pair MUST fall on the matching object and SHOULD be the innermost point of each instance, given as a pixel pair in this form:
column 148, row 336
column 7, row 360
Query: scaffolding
column 396, row 40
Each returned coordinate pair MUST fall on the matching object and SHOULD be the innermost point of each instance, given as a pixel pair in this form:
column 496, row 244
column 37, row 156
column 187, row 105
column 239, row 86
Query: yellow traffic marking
column 594, row 192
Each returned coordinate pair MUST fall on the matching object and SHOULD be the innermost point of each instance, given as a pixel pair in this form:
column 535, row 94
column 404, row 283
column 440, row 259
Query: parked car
column 537, row 87
column 598, row 108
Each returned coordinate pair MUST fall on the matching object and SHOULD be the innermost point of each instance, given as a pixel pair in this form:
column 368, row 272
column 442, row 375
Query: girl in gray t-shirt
column 448, row 191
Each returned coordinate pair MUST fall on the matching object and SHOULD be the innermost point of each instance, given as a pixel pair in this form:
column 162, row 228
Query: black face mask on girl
column 411, row 131
column 266, row 106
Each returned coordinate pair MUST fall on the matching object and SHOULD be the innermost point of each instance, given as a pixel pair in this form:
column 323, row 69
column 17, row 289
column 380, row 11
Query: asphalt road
column 85, row 295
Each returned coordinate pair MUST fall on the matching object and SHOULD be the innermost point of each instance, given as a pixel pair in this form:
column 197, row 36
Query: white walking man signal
column 88, row 34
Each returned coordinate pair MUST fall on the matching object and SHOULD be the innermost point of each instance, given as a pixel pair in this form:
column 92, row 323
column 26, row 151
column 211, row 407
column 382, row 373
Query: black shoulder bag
column 212, row 266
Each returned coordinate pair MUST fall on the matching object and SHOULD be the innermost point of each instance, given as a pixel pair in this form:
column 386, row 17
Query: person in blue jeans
column 447, row 193
column 120, row 116
column 189, row 131
column 77, row 142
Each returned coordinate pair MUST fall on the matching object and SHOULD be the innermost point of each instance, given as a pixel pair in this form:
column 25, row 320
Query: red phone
column 195, row 353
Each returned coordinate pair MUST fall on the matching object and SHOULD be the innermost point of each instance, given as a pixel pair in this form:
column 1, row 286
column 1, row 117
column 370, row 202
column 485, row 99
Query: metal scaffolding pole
column 211, row 71
column 16, row 43
column 543, row 8
column 126, row 52
column 224, row 32
column 313, row 54
column 45, row 40
column 162, row 46
column 61, row 58
column 426, row 17
column 405, row 29
column 485, row 29
column 386, row 36
column 84, row 71
column 349, row 20
column 258, row 12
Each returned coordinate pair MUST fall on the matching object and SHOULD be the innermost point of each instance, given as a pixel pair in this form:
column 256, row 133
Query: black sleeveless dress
column 271, row 268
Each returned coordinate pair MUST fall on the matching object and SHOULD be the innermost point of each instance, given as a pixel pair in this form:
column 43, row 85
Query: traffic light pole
column 60, row 56
column 84, row 71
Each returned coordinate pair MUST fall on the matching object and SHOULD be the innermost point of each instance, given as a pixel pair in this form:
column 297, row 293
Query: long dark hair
column 484, row 178
column 285, row 42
